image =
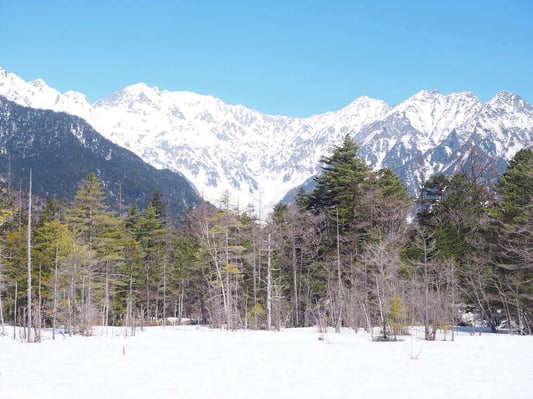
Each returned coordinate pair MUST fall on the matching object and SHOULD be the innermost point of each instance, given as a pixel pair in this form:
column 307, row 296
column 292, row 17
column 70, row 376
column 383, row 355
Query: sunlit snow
column 197, row 362
column 258, row 158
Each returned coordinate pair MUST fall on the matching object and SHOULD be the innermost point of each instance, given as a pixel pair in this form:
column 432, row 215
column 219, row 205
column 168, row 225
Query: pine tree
column 390, row 204
column 160, row 205
column 185, row 276
column 97, row 233
column 53, row 247
column 453, row 217
column 396, row 316
column 455, row 209
column 150, row 234
column 513, row 221
column 516, row 188
column 342, row 185
column 6, row 214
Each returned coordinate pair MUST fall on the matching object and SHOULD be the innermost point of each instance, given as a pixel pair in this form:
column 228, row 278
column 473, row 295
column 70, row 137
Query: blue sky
column 284, row 57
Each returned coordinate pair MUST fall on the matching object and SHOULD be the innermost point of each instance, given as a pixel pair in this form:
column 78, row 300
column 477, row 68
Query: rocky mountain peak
column 509, row 101
column 257, row 158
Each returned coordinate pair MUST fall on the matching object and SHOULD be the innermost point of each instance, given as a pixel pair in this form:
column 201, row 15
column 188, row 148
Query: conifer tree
column 396, row 316
column 96, row 231
column 342, row 184
column 53, row 246
column 5, row 215
column 185, row 279
column 513, row 221
column 149, row 232
column 160, row 205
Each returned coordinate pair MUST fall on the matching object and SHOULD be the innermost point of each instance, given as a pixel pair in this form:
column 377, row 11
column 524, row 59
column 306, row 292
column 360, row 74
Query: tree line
column 357, row 251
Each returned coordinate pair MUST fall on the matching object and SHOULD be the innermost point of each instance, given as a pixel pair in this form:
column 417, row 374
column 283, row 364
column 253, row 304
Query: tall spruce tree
column 97, row 231
column 513, row 222
column 150, row 233
column 160, row 205
column 341, row 187
column 53, row 247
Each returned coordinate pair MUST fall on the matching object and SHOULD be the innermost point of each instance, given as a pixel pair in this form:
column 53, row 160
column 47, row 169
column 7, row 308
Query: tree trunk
column 38, row 323
column 29, row 262
column 254, row 277
column 54, row 307
column 1, row 286
column 338, row 324
column 15, row 312
column 295, row 282
column 164, row 293
column 381, row 309
column 106, row 299
column 269, row 285
column 147, row 275
column 368, row 321
column 452, row 275
column 427, row 333
column 1, row 310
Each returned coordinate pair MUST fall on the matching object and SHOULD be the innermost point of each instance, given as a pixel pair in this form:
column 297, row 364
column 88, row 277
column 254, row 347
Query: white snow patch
column 189, row 362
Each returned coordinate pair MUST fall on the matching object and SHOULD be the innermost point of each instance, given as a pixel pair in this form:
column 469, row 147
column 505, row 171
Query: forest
column 357, row 251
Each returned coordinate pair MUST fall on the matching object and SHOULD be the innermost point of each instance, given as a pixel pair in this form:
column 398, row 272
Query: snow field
column 187, row 362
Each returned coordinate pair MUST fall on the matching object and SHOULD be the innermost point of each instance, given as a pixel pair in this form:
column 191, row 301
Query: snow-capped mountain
column 258, row 158
column 62, row 149
column 431, row 132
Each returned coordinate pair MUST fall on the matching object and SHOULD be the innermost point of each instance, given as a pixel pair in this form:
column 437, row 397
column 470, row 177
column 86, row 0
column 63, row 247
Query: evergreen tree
column 513, row 222
column 455, row 210
column 53, row 210
column 453, row 220
column 516, row 189
column 396, row 316
column 342, row 185
column 132, row 217
column 97, row 233
column 6, row 214
column 390, row 203
column 160, row 205
column 185, row 277
column 150, row 234
column 52, row 250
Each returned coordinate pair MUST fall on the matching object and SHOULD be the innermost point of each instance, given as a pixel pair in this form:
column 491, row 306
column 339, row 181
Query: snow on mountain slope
column 405, row 138
column 258, row 158
column 37, row 94
column 219, row 147
column 502, row 126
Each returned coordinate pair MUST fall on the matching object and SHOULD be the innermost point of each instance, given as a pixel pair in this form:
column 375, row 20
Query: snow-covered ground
column 196, row 362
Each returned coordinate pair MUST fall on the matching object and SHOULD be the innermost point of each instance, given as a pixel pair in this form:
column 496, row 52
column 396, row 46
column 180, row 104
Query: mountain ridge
column 257, row 158
column 63, row 149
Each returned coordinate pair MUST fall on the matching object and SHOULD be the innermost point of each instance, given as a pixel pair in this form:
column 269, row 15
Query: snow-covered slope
column 258, row 158
column 219, row 147
column 197, row 362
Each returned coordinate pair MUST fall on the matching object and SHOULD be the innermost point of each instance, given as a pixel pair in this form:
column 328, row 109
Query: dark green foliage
column 54, row 210
column 512, row 220
column 390, row 186
column 159, row 205
column 342, row 185
column 455, row 210
column 62, row 150
column 516, row 188
column 431, row 199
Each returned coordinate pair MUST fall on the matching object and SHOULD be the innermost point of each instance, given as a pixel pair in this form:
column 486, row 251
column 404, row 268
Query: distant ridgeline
column 62, row 150
column 257, row 158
